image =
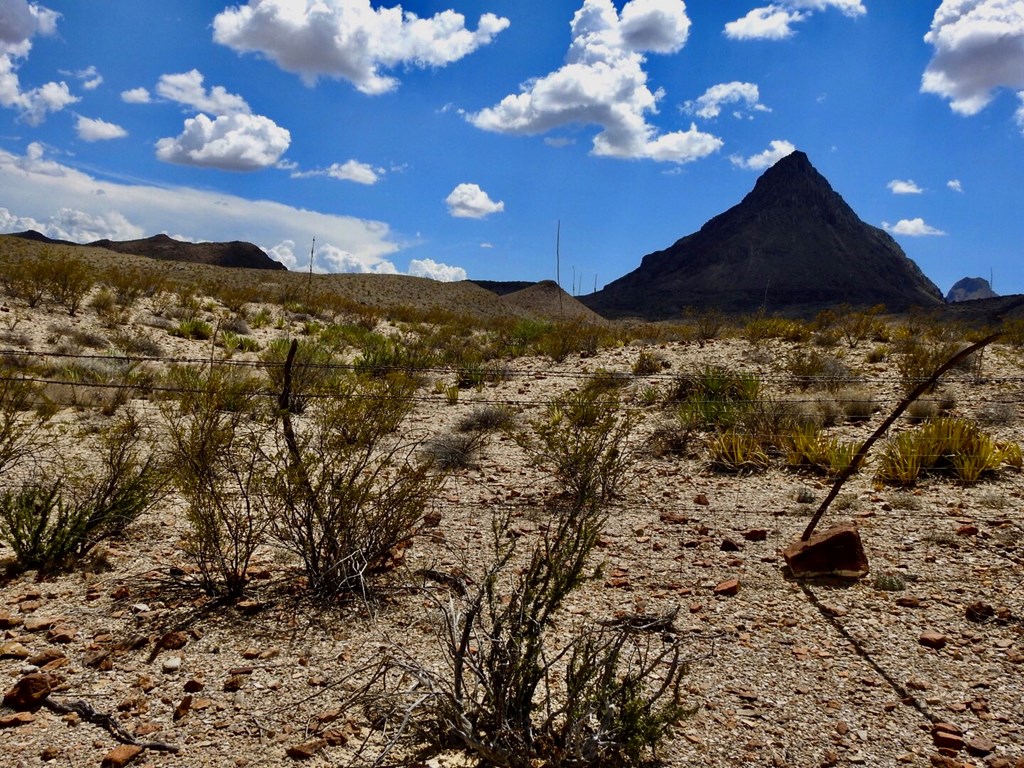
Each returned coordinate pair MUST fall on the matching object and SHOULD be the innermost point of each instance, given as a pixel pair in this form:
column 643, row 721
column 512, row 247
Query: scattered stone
column 249, row 607
column 62, row 634
column 194, row 686
column 234, row 683
column 729, row 545
column 834, row 552
column 120, row 756
column 932, row 639
column 701, row 500
column 28, row 693
column 49, row 753
column 307, row 750
column 39, row 623
column 980, row 747
column 99, row 659
column 755, row 534
column 908, row 602
column 46, row 656
column 14, row 650
column 967, row 530
column 728, row 587
column 171, row 664
column 7, row 620
column 183, row 708
column 979, row 612
column 947, row 736
column 16, row 720
column 173, row 641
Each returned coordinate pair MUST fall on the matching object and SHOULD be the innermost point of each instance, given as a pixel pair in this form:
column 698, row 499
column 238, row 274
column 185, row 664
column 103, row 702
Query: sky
column 456, row 139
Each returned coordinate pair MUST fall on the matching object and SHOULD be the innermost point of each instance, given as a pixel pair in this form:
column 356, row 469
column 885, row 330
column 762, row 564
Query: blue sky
column 448, row 139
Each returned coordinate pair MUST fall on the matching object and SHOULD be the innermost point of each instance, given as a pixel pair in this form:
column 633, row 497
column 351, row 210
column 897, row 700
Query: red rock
column 38, row 623
column 947, row 736
column 967, row 530
column 16, row 720
column 701, row 500
column 728, row 545
column 120, row 756
column 979, row 612
column 908, row 602
column 62, row 634
column 979, row 747
column 14, row 650
column 728, row 587
column 8, row 621
column 46, row 656
column 932, row 639
column 755, row 534
column 194, row 686
column 173, row 641
column 183, row 708
column 28, row 693
column 234, row 683
column 834, row 552
column 307, row 750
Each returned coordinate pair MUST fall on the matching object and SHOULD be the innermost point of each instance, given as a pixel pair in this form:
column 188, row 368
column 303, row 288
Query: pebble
column 171, row 664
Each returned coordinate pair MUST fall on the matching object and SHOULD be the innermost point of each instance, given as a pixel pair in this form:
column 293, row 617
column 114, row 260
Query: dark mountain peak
column 792, row 244
column 971, row 289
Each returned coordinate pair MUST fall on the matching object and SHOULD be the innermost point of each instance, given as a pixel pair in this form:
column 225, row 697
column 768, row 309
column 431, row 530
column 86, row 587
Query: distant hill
column 971, row 289
column 234, row 254
column 792, row 245
column 546, row 299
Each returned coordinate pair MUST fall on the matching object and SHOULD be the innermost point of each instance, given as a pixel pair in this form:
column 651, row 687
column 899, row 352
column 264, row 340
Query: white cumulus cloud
column 136, row 96
column 912, row 228
column 979, row 48
column 904, row 187
column 777, row 150
column 955, row 185
column 349, row 39
column 90, row 77
column 32, row 183
column 603, row 83
column 351, row 170
column 19, row 23
column 709, row 105
column 94, row 129
column 187, row 88
column 775, row 21
column 468, row 201
column 234, row 142
column 443, row 273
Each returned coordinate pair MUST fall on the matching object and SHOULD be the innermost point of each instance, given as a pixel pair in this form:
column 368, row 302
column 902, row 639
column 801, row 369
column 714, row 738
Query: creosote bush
column 347, row 493
column 56, row 518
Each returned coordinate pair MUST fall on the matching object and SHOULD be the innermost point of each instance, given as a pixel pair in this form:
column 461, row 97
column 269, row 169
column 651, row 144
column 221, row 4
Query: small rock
column 834, row 552
column 967, row 530
column 39, row 623
column 728, row 545
column 171, row 664
column 183, row 708
column 120, row 756
column 755, row 534
column 307, row 750
column 28, row 693
column 979, row 612
column 234, row 683
column 173, row 641
column 46, row 657
column 194, row 686
column 14, row 650
column 8, row 621
column 980, row 747
column 908, row 602
column 947, row 736
column 932, row 639
column 62, row 634
column 728, row 587
column 701, row 500
column 49, row 753
column 16, row 720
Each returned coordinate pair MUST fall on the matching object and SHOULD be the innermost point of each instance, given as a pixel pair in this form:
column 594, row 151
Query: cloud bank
column 979, row 49
column 350, row 40
column 603, row 83
column 775, row 21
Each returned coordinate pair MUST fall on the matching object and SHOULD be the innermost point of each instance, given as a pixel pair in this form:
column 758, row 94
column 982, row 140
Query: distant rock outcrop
column 969, row 289
column 546, row 299
column 792, row 245
column 233, row 254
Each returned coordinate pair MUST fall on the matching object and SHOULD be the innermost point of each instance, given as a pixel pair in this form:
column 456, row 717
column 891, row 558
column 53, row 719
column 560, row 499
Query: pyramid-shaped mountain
column 792, row 245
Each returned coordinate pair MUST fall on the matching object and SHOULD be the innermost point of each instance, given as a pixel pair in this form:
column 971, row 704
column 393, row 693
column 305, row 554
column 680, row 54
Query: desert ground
column 778, row 671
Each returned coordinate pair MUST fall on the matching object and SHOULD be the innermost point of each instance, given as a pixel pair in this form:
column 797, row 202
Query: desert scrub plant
column 809, row 449
column 70, row 281
column 510, row 694
column 347, row 492
column 16, row 431
column 56, row 518
column 453, row 451
column 648, row 363
column 856, row 326
column 714, row 397
column 811, row 368
column 229, row 388
column 734, row 451
column 583, row 442
column 218, row 462
column 916, row 361
column 857, row 403
column 193, row 328
column 487, row 418
column 314, row 369
column 955, row 446
column 707, row 324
